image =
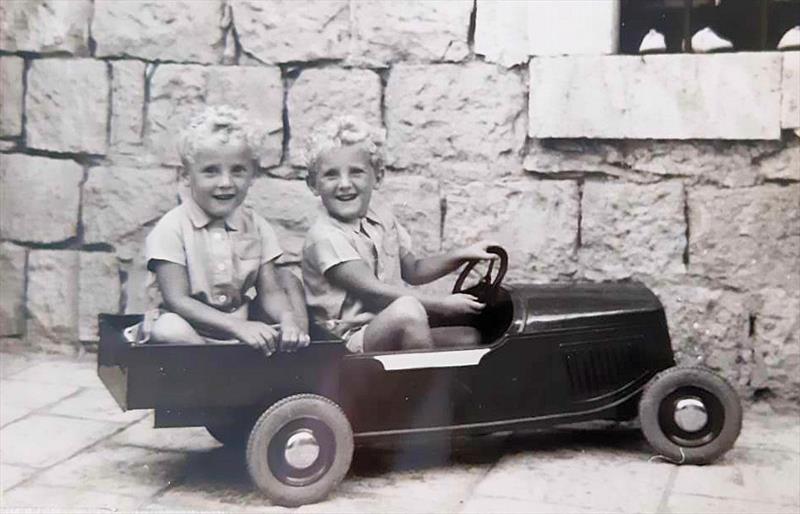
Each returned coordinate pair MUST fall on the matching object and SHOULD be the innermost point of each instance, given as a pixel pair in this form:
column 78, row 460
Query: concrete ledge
column 722, row 96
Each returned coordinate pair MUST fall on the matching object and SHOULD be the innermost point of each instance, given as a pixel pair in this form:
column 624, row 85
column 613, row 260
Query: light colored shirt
column 222, row 257
column 377, row 239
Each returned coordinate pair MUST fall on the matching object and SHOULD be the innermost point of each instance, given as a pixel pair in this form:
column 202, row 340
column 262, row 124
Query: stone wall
column 493, row 131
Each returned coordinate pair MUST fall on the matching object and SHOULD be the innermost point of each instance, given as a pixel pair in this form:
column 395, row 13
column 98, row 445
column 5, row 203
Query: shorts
column 354, row 339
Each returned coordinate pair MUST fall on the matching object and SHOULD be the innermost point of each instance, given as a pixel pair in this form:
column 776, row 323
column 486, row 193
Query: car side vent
column 601, row 367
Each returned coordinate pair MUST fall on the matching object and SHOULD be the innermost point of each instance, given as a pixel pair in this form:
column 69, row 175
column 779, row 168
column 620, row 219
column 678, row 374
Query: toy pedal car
column 552, row 354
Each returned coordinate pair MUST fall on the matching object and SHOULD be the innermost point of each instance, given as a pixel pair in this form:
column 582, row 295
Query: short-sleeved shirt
column 222, row 257
column 377, row 239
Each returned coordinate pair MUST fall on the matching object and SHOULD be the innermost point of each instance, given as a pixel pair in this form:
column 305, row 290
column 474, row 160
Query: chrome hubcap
column 690, row 414
column 301, row 449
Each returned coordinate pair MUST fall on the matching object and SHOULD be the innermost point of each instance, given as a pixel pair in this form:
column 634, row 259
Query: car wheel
column 300, row 449
column 690, row 415
column 233, row 434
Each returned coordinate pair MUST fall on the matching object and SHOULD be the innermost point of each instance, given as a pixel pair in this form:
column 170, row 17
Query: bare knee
column 409, row 310
column 170, row 328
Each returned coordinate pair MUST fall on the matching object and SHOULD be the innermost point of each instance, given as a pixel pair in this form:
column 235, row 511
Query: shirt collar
column 355, row 225
column 200, row 219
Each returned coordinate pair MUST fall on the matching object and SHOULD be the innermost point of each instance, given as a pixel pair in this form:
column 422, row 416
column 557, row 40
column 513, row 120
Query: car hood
column 543, row 306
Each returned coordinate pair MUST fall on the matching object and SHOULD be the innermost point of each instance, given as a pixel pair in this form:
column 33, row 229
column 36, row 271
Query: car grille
column 597, row 368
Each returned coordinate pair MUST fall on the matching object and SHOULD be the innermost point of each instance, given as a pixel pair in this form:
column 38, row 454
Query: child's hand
column 292, row 337
column 477, row 251
column 461, row 303
column 258, row 335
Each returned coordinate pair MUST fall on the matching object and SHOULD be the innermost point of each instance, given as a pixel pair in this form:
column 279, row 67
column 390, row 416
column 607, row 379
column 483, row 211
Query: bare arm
column 174, row 285
column 276, row 304
column 357, row 278
column 421, row 271
column 293, row 289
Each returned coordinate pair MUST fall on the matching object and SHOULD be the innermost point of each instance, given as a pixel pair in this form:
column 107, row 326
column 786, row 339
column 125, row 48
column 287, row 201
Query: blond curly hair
column 219, row 124
column 341, row 132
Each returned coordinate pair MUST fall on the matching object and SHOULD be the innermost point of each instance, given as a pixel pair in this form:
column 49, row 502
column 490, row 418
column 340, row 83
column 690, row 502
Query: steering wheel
column 486, row 289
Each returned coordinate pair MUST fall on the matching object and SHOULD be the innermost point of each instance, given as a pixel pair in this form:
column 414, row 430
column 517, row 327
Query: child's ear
column 378, row 177
column 311, row 182
column 184, row 174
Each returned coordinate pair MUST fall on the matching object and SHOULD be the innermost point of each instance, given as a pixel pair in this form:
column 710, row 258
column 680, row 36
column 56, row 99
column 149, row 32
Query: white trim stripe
column 421, row 360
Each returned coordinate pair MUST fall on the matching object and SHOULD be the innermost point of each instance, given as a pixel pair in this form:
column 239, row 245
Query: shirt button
column 221, row 267
column 217, row 236
column 222, row 298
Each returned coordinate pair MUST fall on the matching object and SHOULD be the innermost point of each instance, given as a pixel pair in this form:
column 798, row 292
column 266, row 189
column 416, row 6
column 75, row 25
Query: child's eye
column 239, row 171
column 210, row 170
column 357, row 171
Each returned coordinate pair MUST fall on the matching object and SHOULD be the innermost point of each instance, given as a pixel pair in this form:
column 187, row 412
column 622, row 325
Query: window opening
column 675, row 26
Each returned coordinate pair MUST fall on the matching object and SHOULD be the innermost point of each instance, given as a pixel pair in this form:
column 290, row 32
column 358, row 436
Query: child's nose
column 225, row 179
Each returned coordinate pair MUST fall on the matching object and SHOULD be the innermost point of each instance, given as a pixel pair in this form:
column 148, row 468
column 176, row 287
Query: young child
column 357, row 257
column 210, row 257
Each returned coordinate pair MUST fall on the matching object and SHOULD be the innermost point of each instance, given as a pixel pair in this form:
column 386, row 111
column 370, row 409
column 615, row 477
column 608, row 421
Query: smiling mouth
column 224, row 197
column 346, row 198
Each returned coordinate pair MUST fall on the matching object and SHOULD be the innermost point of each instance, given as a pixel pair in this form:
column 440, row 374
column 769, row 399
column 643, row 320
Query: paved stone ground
column 64, row 445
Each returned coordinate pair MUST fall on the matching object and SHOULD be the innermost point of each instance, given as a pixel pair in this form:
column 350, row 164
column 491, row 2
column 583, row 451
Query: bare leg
column 455, row 337
column 403, row 325
column 170, row 328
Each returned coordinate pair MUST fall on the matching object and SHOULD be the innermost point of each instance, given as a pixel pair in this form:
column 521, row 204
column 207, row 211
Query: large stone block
column 471, row 114
column 293, row 30
column 631, row 230
column 98, row 291
column 536, row 221
column 39, row 198
column 127, row 102
column 290, row 207
column 729, row 164
column 387, row 32
column 178, row 30
column 790, row 91
column 12, row 70
column 67, row 105
column 417, row 204
column 52, row 300
column 12, row 293
column 501, row 31
column 118, row 201
column 783, row 164
column 45, row 26
column 709, row 327
column 509, row 31
column 747, row 238
column 178, row 91
column 680, row 96
column 321, row 94
column 777, row 343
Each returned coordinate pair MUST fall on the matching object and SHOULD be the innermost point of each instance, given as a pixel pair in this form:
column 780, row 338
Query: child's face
column 219, row 177
column 345, row 180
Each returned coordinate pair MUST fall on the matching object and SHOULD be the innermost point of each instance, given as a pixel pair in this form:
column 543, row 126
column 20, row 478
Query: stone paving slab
column 11, row 475
column 60, row 499
column 770, row 432
column 20, row 398
column 692, row 504
column 11, row 363
column 95, row 404
column 580, row 470
column 141, row 433
column 484, row 504
column 745, row 474
column 43, row 440
column 125, row 470
column 81, row 373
